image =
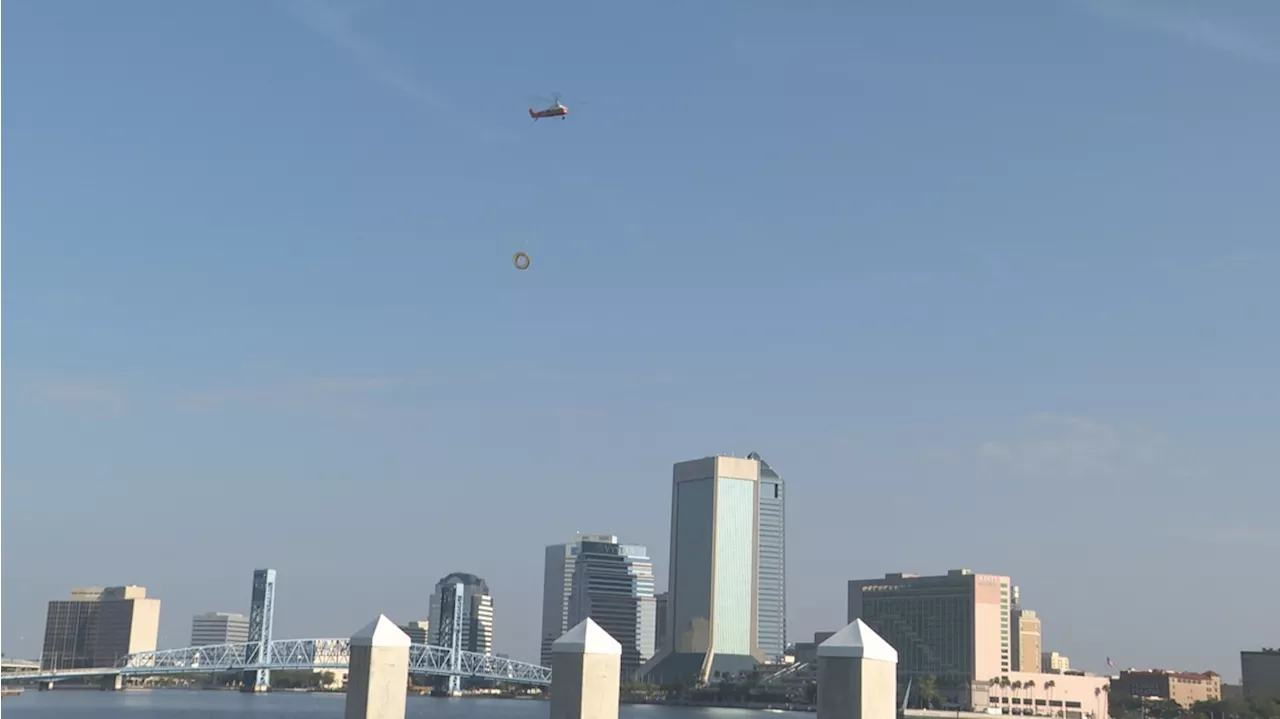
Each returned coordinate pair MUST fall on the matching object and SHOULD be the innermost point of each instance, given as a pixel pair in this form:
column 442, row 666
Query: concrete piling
column 857, row 675
column 586, row 674
column 378, row 671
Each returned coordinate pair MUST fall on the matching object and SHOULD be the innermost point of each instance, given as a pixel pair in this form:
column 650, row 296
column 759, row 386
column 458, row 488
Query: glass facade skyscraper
column 771, row 566
column 613, row 585
column 713, row 593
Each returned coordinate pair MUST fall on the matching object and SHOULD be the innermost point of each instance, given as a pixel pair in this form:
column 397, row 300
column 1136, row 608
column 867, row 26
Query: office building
column 557, row 583
column 771, row 563
column 953, row 626
column 98, row 626
column 659, row 622
column 1054, row 663
column 613, row 585
column 461, row 604
column 1025, row 635
column 419, row 632
column 219, row 628
column 1185, row 688
column 1260, row 673
column 713, row 592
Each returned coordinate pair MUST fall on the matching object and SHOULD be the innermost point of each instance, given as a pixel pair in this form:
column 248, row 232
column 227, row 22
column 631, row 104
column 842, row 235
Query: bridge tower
column 451, row 631
column 261, row 613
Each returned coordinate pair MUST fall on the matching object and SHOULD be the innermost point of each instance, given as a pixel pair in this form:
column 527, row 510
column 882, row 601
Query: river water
column 175, row 704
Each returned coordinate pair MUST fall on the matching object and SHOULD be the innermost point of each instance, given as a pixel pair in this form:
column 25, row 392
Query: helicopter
column 555, row 110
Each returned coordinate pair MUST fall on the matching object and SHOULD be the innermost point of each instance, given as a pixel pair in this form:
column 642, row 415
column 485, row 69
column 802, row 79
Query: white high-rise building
column 613, row 586
column 219, row 628
column 557, row 584
column 714, row 578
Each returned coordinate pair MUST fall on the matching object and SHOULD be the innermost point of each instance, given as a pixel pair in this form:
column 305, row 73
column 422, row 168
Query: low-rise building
column 1185, row 688
column 1070, row 695
column 1053, row 662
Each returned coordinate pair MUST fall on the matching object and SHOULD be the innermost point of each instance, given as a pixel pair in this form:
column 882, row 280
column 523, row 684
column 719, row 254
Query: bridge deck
column 296, row 654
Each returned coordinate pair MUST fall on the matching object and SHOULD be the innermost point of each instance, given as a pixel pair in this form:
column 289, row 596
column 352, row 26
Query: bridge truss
column 300, row 654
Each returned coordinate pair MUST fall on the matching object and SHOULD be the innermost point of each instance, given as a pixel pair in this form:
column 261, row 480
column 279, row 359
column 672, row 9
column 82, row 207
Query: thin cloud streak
column 88, row 397
column 1054, row 445
column 1193, row 29
column 336, row 27
column 293, row 395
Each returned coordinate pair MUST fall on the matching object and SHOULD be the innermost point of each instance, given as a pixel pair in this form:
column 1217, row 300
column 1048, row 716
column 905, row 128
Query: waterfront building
column 771, row 563
column 953, row 626
column 219, row 628
column 461, row 602
column 613, row 586
column 713, row 587
column 557, row 584
column 1063, row 696
column 98, row 626
column 419, row 632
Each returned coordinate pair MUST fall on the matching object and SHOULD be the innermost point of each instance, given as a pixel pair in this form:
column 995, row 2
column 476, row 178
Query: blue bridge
column 292, row 655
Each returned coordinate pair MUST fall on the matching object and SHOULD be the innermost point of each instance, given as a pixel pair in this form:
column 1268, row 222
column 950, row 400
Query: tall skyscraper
column 219, row 628
column 953, row 626
column 771, row 568
column 613, row 585
column 98, row 626
column 713, row 586
column 262, row 611
column 461, row 602
column 557, row 583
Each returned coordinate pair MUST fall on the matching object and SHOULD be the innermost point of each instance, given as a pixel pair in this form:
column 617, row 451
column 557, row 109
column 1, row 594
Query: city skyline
column 478, row 634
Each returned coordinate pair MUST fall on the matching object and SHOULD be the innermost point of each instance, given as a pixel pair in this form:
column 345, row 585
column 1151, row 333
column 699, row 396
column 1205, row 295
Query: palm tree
column 1030, row 686
column 1004, row 690
column 1048, row 688
column 993, row 686
column 927, row 691
column 1017, row 694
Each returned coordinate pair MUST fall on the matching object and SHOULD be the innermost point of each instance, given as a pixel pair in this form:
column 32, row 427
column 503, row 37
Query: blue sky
column 996, row 283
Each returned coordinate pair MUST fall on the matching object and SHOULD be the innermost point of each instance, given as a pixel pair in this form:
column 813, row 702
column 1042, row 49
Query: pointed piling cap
column 858, row 641
column 381, row 632
column 587, row 638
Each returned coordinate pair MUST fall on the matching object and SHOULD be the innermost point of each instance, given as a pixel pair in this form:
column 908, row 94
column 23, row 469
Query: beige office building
column 955, row 625
column 98, row 626
column 1025, row 635
column 1053, row 662
column 1185, row 688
